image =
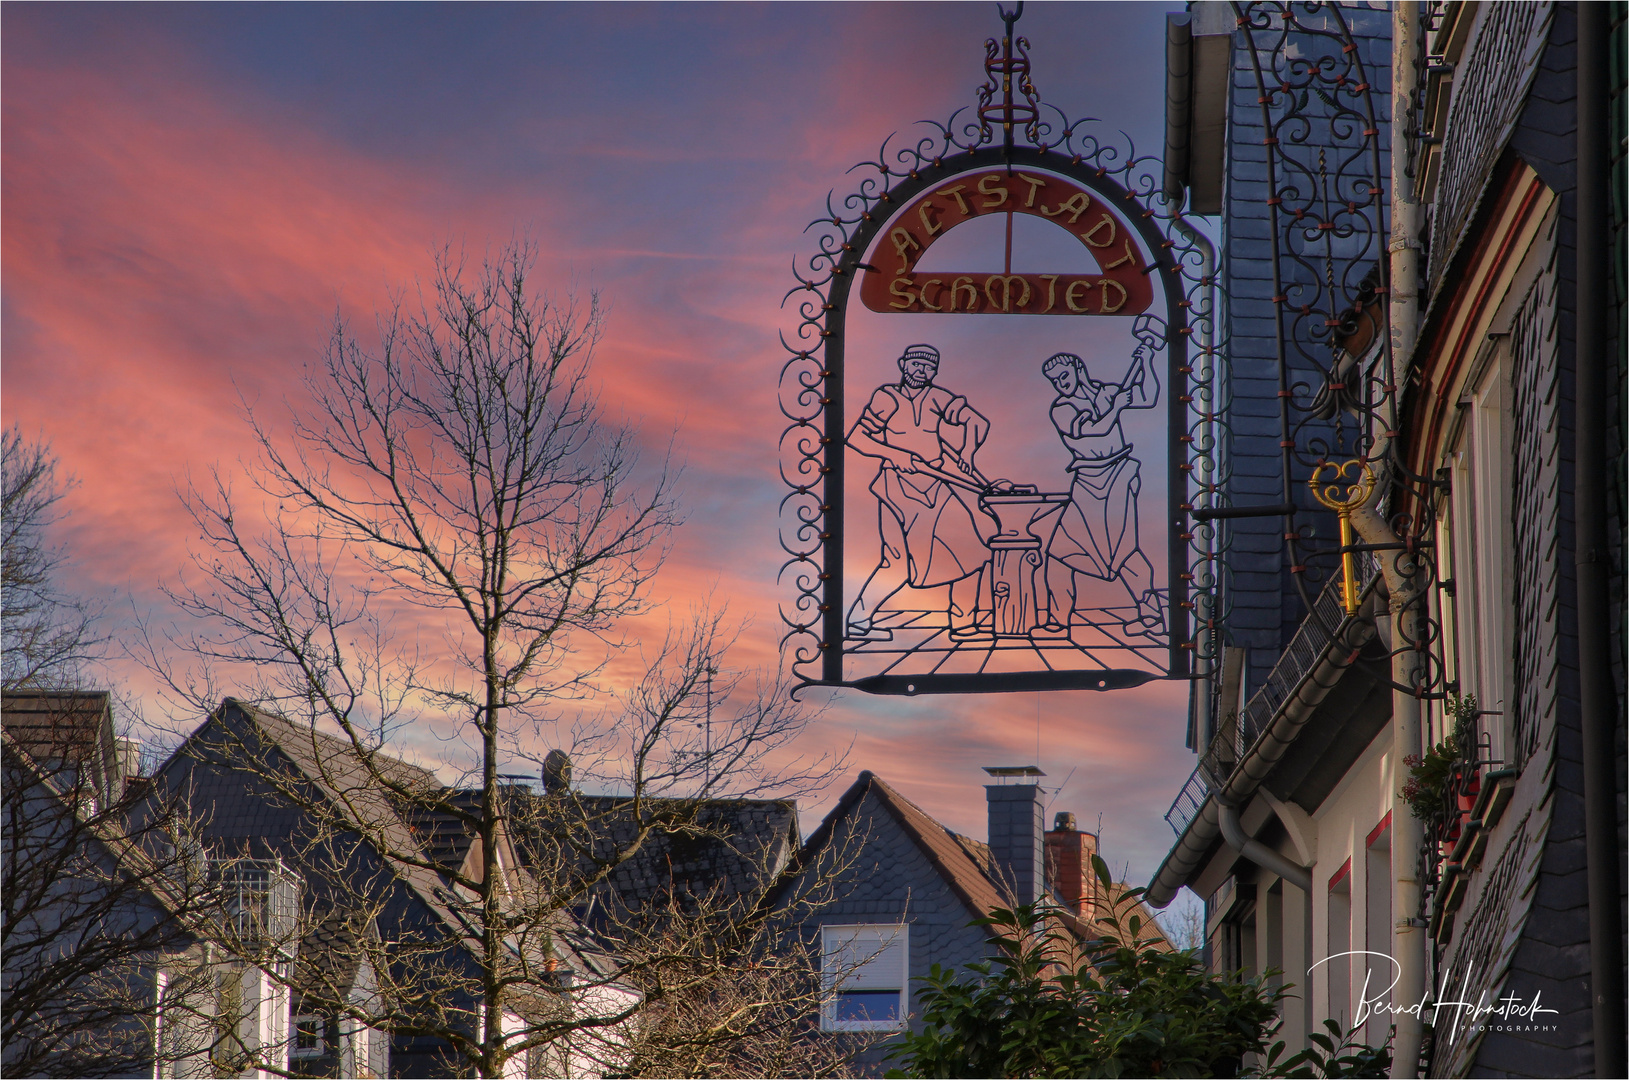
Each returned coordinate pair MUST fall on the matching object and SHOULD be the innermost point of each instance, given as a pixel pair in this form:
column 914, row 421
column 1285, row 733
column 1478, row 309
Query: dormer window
column 864, row 969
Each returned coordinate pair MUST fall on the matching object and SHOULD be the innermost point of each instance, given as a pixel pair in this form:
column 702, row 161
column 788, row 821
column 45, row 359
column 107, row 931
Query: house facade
column 344, row 879
column 1403, row 781
column 904, row 891
column 84, row 933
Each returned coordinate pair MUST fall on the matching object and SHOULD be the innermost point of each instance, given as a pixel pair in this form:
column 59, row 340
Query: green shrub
column 1120, row 1006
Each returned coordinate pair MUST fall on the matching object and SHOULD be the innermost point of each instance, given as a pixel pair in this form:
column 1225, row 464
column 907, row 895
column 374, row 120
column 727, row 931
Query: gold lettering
column 1035, row 183
column 904, row 294
column 1051, row 291
column 1079, row 203
column 924, row 297
column 956, row 193
column 1005, row 303
column 928, row 223
column 1107, row 284
column 1078, row 307
column 993, row 196
column 1122, row 260
column 956, row 288
column 1095, row 229
column 903, row 241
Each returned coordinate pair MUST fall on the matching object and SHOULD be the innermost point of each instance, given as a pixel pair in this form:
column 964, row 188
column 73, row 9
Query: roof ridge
column 259, row 715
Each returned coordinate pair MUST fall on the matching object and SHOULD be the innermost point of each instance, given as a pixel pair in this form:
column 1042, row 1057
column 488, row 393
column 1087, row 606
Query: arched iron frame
column 1007, row 133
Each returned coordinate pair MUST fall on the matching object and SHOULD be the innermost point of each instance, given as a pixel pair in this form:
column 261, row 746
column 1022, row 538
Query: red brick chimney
column 1069, row 864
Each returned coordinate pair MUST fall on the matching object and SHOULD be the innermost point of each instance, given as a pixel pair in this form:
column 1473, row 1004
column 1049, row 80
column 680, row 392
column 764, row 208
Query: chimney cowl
column 1063, row 821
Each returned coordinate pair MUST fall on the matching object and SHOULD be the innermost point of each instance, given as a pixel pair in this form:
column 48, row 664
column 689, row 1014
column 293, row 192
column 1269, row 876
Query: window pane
column 855, row 1005
column 308, row 1033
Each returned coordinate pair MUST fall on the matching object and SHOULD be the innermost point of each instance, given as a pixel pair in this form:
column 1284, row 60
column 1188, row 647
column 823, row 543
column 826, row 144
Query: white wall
column 1346, row 820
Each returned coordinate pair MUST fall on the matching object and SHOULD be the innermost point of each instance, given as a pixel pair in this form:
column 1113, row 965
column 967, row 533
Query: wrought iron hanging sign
column 918, row 565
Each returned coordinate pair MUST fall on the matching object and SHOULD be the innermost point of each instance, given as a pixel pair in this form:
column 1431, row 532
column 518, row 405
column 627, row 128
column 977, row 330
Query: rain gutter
column 1189, row 852
column 1598, row 708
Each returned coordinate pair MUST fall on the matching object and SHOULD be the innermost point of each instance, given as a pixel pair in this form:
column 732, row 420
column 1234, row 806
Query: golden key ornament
column 1328, row 493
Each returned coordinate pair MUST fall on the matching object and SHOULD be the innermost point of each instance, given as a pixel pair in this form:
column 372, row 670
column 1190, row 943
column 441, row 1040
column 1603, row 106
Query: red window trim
column 1385, row 823
column 1341, row 874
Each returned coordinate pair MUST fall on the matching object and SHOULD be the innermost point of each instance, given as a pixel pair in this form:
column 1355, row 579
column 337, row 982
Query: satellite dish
column 556, row 772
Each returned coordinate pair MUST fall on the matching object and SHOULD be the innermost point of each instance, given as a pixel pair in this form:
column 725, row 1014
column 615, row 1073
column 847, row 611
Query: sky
column 191, row 193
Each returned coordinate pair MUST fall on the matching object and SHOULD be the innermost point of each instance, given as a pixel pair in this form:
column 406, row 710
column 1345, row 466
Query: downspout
column 1597, row 706
column 1265, row 754
column 1240, row 785
column 1227, row 815
column 1402, row 573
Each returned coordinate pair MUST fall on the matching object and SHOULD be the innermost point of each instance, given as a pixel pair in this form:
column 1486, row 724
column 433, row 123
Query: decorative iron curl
column 1326, row 220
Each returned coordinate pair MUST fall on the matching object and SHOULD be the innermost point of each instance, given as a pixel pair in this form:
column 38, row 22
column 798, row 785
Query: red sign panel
column 1121, row 287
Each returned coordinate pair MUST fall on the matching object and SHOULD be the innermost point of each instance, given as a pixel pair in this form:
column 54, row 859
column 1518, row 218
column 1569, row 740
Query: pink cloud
column 172, row 238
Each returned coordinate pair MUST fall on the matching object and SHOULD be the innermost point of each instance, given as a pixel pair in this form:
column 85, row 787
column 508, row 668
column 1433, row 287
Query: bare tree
column 47, row 634
column 1184, row 924
column 90, row 906
column 458, row 484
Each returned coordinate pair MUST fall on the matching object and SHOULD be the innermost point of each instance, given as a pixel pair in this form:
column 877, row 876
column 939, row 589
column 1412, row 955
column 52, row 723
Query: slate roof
column 330, row 764
column 413, row 825
column 445, row 837
column 727, row 849
column 24, row 771
column 331, row 959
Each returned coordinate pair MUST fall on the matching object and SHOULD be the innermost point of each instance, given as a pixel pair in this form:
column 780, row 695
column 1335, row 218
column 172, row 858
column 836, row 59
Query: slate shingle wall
column 1553, row 955
column 1540, row 954
column 241, row 812
column 1016, row 829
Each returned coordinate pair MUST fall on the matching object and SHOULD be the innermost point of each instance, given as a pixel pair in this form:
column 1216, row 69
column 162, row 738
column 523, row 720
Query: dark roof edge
column 1178, row 102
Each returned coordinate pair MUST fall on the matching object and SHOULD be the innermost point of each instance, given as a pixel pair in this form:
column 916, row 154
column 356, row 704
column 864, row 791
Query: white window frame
column 835, row 939
column 295, row 1050
column 1338, row 915
column 161, row 990
column 1479, row 513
